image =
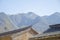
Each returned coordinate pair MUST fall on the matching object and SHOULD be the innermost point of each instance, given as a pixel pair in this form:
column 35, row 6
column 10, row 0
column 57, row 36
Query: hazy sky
column 40, row 7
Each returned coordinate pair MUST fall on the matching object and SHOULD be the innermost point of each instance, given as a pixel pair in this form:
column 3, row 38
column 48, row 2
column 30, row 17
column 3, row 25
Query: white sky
column 40, row 7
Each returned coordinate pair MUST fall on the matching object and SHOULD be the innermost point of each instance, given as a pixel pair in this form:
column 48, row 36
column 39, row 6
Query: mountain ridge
column 40, row 24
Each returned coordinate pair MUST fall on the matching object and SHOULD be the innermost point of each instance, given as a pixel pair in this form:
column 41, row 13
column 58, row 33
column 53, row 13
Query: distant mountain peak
column 2, row 13
column 56, row 13
column 31, row 13
column 53, row 19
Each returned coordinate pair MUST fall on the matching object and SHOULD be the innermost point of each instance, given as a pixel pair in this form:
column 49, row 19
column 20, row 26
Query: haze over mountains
column 53, row 19
column 38, row 23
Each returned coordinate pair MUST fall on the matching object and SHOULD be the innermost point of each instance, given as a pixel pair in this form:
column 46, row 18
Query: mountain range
column 38, row 23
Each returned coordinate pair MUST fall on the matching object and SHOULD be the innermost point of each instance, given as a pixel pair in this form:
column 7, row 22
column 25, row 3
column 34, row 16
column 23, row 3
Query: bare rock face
column 6, row 24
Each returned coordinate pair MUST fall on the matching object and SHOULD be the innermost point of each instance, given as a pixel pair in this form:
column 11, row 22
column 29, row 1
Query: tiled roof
column 47, row 34
column 14, row 31
column 53, row 28
column 55, row 25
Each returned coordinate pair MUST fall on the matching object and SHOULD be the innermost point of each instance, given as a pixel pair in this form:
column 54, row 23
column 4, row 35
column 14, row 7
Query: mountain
column 39, row 24
column 24, row 19
column 6, row 24
column 53, row 19
column 30, row 18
